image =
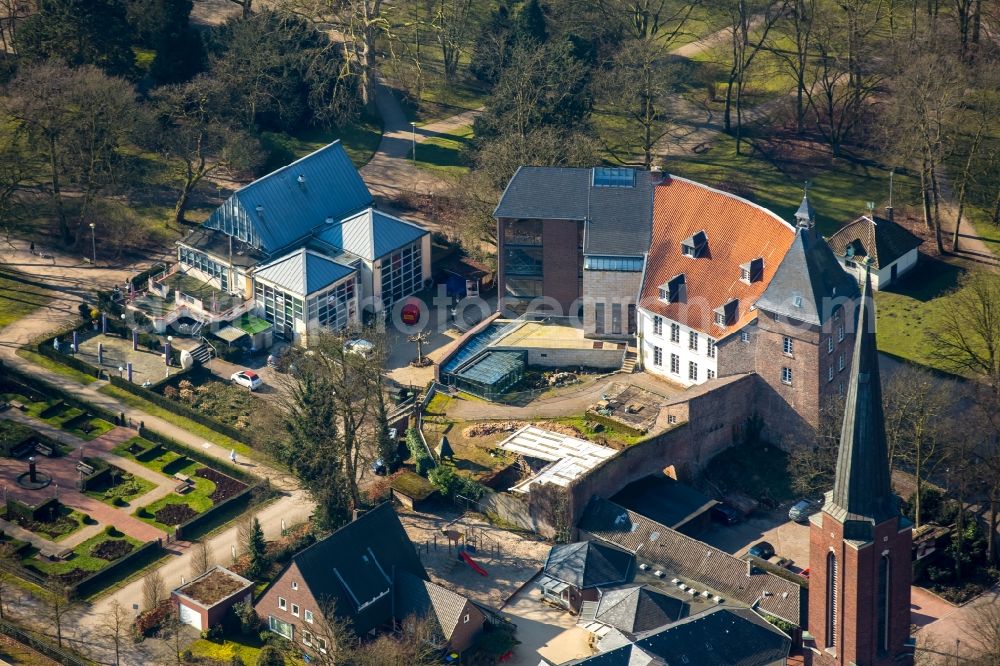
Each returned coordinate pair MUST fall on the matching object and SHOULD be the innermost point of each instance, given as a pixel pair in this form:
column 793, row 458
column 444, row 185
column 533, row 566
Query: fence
column 42, row 645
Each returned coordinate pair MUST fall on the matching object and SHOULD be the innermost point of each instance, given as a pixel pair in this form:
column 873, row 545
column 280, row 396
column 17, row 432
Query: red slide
column 472, row 563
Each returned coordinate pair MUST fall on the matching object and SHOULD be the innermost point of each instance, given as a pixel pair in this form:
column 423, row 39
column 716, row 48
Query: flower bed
column 82, row 559
column 225, row 486
column 174, row 514
column 112, row 549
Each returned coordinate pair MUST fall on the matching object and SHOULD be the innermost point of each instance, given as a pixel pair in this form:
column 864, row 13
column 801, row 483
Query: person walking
column 232, row 455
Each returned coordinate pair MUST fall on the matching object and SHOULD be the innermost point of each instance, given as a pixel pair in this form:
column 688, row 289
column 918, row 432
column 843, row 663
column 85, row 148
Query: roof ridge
column 287, row 166
column 716, row 190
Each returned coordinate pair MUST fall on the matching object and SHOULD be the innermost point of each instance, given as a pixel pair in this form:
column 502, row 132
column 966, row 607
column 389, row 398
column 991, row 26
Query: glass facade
column 334, row 308
column 402, row 274
column 280, row 308
column 620, row 264
column 202, row 262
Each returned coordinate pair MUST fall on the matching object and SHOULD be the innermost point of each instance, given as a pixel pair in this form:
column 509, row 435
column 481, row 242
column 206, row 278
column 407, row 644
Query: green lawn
column 608, row 433
column 55, row 366
column 19, row 296
column 168, row 463
column 444, row 152
column 80, row 559
column 58, row 414
column 68, row 522
column 246, row 647
column 360, row 140
column 127, row 487
column 192, row 427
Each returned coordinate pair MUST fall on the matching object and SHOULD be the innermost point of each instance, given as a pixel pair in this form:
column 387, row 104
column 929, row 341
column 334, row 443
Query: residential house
column 879, row 243
column 302, row 247
column 369, row 574
column 574, row 572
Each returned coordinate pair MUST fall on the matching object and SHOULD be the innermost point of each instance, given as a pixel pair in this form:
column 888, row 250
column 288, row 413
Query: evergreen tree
column 164, row 26
column 257, row 548
column 531, row 23
column 78, row 32
column 492, row 50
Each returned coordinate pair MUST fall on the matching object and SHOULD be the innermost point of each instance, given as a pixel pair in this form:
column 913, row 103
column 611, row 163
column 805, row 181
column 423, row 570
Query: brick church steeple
column 859, row 544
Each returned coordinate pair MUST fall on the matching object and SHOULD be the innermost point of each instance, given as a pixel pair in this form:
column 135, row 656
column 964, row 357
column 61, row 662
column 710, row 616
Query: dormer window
column 797, row 300
column 694, row 246
column 674, row 291
column 727, row 314
column 752, row 271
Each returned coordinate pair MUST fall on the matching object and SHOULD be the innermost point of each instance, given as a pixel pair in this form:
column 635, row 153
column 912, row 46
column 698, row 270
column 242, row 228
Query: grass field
column 360, row 140
column 19, row 296
column 444, row 153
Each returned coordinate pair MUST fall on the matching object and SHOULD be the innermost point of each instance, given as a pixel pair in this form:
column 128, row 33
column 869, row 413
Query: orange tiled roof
column 738, row 231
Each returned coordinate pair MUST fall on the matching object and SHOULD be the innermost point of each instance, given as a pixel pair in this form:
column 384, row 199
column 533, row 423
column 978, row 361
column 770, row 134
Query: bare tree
column 58, row 606
column 452, row 24
column 153, row 590
column 967, row 337
column 662, row 21
column 982, row 631
column 114, row 622
column 800, row 29
column 201, row 558
column 246, row 7
column 244, row 528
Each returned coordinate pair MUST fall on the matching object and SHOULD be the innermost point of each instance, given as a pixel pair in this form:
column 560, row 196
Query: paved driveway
column 789, row 539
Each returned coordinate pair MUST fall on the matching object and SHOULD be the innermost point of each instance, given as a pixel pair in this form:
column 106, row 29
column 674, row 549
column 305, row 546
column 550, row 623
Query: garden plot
column 225, row 402
column 120, row 488
column 66, row 521
column 198, row 488
column 85, row 559
column 57, row 413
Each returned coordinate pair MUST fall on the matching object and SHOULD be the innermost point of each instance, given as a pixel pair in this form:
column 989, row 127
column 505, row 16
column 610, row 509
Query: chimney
column 302, row 180
column 749, row 567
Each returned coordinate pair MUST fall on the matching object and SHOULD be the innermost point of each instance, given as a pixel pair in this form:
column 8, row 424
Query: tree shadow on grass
column 932, row 278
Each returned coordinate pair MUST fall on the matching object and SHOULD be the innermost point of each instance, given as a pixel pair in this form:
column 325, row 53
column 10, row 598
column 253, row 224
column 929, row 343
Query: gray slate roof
column 811, row 276
column 691, row 560
column 303, row 272
column 881, row 240
column 415, row 596
column 589, row 564
column 862, row 491
column 619, row 219
column 289, row 209
column 370, row 234
column 356, row 564
column 638, row 608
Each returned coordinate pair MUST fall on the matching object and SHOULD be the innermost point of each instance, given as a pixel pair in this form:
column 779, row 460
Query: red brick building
column 859, row 544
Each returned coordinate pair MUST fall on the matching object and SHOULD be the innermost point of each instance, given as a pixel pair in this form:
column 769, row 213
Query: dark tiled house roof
column 638, row 608
column 589, row 564
column 737, row 231
column 806, row 278
column 881, row 240
column 717, row 637
column 664, row 500
column 691, row 560
column 619, row 219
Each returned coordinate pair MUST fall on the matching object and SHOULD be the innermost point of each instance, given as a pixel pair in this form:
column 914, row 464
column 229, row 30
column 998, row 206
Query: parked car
column 247, row 378
column 725, row 514
column 801, row 510
column 762, row 549
column 805, row 572
column 379, row 468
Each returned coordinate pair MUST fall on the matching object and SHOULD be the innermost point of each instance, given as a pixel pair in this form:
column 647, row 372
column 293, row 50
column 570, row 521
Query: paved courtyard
column 509, row 558
column 545, row 631
column 789, row 539
column 146, row 365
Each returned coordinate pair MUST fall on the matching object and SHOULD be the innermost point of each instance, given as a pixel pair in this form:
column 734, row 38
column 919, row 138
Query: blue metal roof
column 371, row 234
column 285, row 205
column 303, row 272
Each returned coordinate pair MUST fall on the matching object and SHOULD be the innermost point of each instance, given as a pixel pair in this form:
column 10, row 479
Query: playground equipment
column 472, row 563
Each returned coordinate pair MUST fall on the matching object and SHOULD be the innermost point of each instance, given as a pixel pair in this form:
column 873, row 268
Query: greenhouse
column 492, row 374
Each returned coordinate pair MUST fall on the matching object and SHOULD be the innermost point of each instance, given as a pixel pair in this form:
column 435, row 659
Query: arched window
column 831, row 600
column 883, row 602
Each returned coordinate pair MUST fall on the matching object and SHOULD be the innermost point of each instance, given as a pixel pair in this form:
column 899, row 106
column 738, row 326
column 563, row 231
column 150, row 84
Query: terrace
column 176, row 294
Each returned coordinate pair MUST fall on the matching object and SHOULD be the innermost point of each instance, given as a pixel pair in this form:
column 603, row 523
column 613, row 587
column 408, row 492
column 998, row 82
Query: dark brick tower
column 859, row 544
column 804, row 335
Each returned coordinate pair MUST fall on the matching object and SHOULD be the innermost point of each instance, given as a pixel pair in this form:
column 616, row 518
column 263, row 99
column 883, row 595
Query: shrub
column 118, row 501
column 443, row 478
column 112, row 531
column 247, row 617
column 422, row 461
column 270, row 656
column 171, row 392
column 87, row 520
column 149, row 621
column 237, row 660
column 213, row 633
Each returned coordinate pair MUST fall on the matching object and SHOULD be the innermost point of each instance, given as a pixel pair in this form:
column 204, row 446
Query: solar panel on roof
column 614, row 177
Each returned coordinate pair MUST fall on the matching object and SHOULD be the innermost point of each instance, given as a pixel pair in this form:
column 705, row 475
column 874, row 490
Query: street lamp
column 93, row 243
column 413, row 130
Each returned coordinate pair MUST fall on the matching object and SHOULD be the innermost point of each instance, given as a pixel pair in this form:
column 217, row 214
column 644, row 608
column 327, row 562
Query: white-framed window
column 786, row 376
column 836, row 313
column 710, row 374
column 840, row 363
column 720, row 319
column 321, row 644
column 675, row 332
column 308, row 616
column 657, row 356
column 710, row 344
column 280, row 627
column 657, row 325
column 675, row 364
column 465, row 620
column 829, row 374
column 829, row 345
column 671, row 419
column 788, row 345
column 282, row 604
column 745, row 274
column 295, row 585
column 692, row 370
column 295, row 610
column 744, row 336
column 692, row 341
column 306, row 637
column 840, row 334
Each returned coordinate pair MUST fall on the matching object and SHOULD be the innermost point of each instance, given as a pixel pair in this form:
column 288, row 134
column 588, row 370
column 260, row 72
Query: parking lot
column 790, row 540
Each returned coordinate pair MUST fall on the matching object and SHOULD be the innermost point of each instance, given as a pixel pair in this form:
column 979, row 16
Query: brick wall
column 301, row 597
column 562, row 262
column 735, row 357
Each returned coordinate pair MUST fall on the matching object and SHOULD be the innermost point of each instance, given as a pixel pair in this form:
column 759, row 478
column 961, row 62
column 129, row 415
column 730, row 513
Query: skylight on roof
column 614, row 177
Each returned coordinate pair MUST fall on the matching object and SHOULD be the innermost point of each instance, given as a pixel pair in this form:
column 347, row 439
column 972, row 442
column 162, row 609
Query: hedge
column 134, row 561
column 102, row 471
column 199, row 456
column 183, row 410
column 45, row 511
column 13, row 435
column 68, row 360
column 190, row 529
column 33, row 385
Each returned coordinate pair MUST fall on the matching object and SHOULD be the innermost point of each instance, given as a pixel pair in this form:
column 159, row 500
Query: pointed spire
column 862, row 492
column 805, row 216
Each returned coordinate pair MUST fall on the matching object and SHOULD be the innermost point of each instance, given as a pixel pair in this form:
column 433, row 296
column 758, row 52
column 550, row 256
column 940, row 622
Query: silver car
column 801, row 510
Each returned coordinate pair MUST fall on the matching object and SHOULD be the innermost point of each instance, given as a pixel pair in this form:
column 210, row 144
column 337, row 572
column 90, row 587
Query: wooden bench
column 17, row 404
column 85, row 468
column 44, row 449
column 185, row 484
column 182, row 477
column 55, row 553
